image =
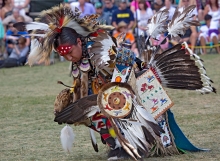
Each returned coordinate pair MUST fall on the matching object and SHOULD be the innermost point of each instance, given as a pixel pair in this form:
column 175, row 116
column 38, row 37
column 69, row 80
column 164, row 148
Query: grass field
column 28, row 133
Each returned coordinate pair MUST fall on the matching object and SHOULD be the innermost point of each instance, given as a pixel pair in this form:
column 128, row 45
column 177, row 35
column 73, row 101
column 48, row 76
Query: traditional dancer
column 114, row 93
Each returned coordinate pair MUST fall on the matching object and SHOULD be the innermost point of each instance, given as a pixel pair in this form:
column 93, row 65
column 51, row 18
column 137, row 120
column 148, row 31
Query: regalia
column 115, row 94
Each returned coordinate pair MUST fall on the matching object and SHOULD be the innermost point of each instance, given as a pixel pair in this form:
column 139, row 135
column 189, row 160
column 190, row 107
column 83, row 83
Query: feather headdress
column 50, row 23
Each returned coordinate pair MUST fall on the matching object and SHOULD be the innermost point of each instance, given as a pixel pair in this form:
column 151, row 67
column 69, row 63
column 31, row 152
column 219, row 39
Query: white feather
column 127, row 136
column 92, row 135
column 180, row 23
column 35, row 52
column 206, row 80
column 134, row 137
column 38, row 35
column 200, row 62
column 144, row 122
column 146, row 115
column 157, row 24
column 206, row 90
column 80, row 30
column 207, row 84
column 203, row 70
column 36, row 26
column 67, row 138
column 206, row 77
column 102, row 43
column 196, row 56
column 135, row 129
column 92, row 111
column 208, row 87
column 118, row 145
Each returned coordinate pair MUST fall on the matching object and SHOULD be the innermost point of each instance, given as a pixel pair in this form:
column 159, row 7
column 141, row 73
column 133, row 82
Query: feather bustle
column 170, row 50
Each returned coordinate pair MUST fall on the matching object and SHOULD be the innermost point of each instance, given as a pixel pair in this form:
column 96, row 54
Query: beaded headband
column 64, row 49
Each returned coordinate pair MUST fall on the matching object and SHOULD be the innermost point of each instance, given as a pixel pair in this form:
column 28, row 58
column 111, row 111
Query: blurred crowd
column 14, row 44
column 129, row 16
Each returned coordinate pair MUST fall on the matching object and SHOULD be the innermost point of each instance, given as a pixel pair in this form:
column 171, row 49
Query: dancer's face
column 75, row 53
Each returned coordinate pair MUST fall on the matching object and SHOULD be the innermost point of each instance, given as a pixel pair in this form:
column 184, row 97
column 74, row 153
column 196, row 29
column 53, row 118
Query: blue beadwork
column 125, row 57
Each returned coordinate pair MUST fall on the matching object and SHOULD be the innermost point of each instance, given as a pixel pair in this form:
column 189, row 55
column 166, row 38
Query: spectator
column 10, row 39
column 157, row 5
column 129, row 37
column 142, row 15
column 103, row 16
column 212, row 8
column 109, row 8
column 191, row 33
column 23, row 33
column 135, row 5
column 85, row 7
column 123, row 14
column 171, row 9
column 11, row 32
column 22, row 5
column 158, row 41
column 186, row 3
column 18, row 56
column 6, row 10
column 208, row 35
column 199, row 6
column 14, row 17
column 11, row 35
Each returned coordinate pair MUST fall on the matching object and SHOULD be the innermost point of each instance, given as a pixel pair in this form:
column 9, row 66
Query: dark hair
column 3, row 3
column 67, row 36
column 207, row 17
column 216, row 3
column 22, row 39
column 143, row 2
column 11, row 22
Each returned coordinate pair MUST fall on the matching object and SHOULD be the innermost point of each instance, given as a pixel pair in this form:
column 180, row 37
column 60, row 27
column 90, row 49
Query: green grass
column 27, row 130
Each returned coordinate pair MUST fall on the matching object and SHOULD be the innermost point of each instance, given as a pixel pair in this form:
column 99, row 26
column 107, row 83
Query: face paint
column 71, row 52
